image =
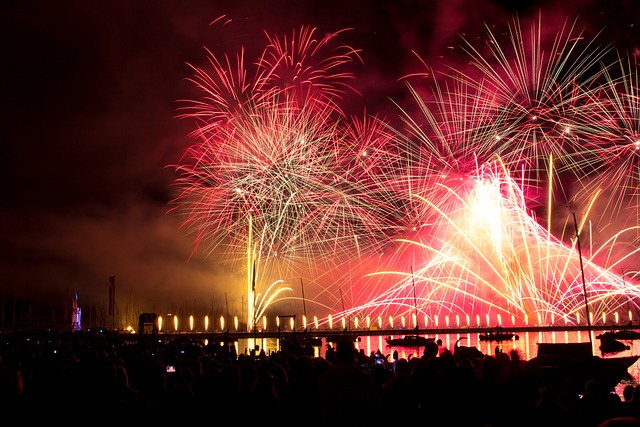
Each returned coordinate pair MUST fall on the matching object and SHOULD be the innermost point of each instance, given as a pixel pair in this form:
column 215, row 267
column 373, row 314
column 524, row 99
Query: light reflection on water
column 526, row 346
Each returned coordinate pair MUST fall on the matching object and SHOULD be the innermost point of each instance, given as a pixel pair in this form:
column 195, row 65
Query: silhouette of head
column 345, row 349
column 431, row 349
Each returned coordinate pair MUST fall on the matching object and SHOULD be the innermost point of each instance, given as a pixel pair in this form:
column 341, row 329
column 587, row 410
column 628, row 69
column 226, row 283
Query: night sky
column 90, row 94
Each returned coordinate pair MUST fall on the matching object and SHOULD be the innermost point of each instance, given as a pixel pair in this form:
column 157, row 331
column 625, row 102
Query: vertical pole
column 227, row 308
column 343, row 311
column 113, row 316
column 584, row 286
column 415, row 301
column 304, row 302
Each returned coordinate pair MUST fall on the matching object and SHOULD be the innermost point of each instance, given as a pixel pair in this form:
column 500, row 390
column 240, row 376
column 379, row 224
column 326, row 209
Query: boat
column 622, row 334
column 334, row 338
column 411, row 341
column 555, row 363
column 558, row 362
column 498, row 336
column 612, row 345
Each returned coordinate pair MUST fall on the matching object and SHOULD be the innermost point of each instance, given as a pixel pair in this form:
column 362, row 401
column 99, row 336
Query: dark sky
column 89, row 100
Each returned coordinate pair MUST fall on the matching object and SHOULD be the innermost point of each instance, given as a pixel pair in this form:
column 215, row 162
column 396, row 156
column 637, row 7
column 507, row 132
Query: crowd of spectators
column 45, row 377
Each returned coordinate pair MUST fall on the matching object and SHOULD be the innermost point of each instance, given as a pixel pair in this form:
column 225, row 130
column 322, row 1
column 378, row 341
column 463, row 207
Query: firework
column 278, row 153
column 540, row 116
column 283, row 184
column 490, row 255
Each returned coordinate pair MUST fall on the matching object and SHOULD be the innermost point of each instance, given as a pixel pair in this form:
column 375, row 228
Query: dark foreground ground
column 93, row 377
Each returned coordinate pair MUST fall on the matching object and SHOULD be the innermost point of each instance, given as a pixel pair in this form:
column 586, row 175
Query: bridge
column 333, row 334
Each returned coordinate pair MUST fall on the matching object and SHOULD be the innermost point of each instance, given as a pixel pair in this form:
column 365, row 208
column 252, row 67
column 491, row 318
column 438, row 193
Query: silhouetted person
column 592, row 408
column 347, row 393
column 302, row 385
column 548, row 411
column 264, row 394
column 431, row 349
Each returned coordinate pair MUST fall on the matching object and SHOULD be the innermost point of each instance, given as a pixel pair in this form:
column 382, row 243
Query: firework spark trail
column 614, row 160
column 308, row 66
column 534, row 96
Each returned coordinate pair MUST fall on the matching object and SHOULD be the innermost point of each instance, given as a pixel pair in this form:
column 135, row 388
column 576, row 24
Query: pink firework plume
column 277, row 150
column 487, row 254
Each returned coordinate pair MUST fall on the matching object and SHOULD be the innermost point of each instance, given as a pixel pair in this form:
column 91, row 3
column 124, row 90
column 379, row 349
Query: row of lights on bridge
column 367, row 322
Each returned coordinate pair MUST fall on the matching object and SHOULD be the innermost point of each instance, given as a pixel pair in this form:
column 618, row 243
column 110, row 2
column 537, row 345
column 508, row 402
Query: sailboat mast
column 584, row 286
column 343, row 311
column 415, row 301
column 629, row 305
column 304, row 303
